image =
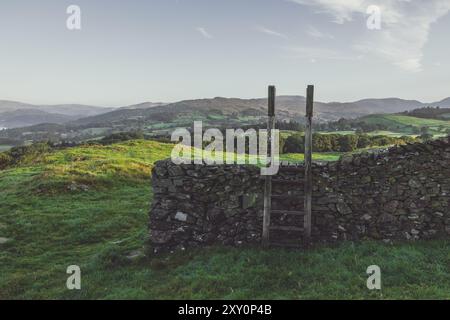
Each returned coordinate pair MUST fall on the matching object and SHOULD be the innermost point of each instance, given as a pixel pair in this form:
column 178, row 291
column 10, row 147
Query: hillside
column 408, row 125
column 89, row 206
column 444, row 103
column 30, row 117
column 389, row 105
column 15, row 114
column 430, row 113
column 288, row 107
column 159, row 119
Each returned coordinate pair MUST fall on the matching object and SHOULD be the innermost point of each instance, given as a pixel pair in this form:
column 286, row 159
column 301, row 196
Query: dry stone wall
column 399, row 194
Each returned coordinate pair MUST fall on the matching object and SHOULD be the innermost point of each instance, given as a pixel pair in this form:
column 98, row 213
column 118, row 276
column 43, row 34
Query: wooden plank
column 291, row 213
column 308, row 160
column 286, row 228
column 285, row 197
column 268, row 178
column 291, row 169
column 284, row 181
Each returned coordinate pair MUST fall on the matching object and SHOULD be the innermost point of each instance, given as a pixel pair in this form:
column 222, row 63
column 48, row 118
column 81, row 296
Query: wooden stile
column 273, row 240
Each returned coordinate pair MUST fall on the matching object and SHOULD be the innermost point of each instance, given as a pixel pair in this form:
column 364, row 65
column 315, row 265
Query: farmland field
column 406, row 124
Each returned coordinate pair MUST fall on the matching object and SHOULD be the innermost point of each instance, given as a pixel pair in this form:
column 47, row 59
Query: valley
column 75, row 124
column 83, row 195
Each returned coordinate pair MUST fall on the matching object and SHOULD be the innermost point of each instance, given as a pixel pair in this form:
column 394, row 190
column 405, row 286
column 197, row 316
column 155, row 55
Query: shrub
column 294, row 144
column 122, row 136
column 340, row 143
column 5, row 160
column 26, row 154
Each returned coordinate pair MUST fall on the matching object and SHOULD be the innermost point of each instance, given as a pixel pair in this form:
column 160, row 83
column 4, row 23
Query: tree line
column 339, row 143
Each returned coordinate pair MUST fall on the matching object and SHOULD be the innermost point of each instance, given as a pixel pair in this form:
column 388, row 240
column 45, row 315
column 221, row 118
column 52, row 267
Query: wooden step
column 292, row 169
column 285, row 181
column 291, row 213
column 286, row 228
column 284, row 244
column 287, row 197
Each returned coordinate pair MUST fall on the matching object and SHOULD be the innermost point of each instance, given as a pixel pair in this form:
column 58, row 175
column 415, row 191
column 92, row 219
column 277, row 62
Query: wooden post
column 308, row 160
column 268, row 178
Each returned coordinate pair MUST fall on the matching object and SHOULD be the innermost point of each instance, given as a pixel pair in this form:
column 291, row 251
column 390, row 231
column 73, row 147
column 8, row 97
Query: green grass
column 216, row 117
column 299, row 157
column 338, row 132
column 53, row 221
column 402, row 124
column 391, row 134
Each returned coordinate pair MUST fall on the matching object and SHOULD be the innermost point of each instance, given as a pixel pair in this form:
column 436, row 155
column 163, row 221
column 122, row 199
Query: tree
column 294, row 144
column 363, row 141
column 122, row 136
column 348, row 143
column 5, row 160
column 426, row 136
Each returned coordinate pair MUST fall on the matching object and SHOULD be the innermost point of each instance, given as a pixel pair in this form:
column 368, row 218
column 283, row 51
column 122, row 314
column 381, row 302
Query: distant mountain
column 172, row 111
column 77, row 110
column 80, row 123
column 29, row 117
column 442, row 104
column 388, row 105
column 18, row 114
column 144, row 105
column 288, row 107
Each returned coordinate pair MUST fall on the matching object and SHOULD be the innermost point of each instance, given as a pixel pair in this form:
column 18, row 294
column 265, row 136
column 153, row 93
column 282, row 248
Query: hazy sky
column 167, row 50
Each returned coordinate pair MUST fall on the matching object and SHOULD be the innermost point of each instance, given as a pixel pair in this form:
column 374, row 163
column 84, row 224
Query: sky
column 128, row 52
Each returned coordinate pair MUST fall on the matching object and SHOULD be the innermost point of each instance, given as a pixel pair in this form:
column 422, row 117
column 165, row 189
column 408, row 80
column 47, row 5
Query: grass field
column 299, row 157
column 342, row 132
column 391, row 134
column 399, row 124
column 89, row 206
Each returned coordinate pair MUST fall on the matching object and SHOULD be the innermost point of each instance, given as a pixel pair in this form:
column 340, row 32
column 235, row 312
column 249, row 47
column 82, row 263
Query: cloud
column 271, row 32
column 204, row 33
column 314, row 33
column 340, row 10
column 313, row 54
column 405, row 29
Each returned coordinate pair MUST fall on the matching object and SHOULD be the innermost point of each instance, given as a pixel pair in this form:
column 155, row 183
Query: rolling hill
column 15, row 114
column 445, row 103
column 408, row 125
column 159, row 119
column 389, row 105
column 429, row 113
column 288, row 108
column 29, row 117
